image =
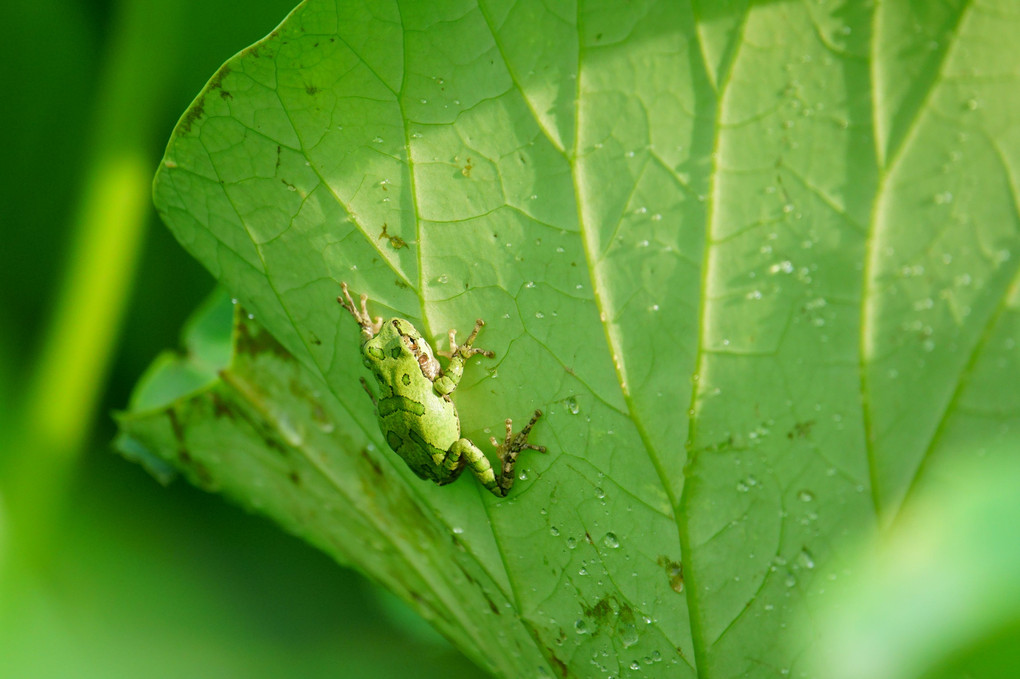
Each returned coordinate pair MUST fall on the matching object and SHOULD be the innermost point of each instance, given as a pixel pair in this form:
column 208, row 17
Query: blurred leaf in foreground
column 938, row 595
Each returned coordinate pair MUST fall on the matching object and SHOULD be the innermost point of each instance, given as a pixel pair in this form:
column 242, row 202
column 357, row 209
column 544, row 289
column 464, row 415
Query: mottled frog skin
column 415, row 411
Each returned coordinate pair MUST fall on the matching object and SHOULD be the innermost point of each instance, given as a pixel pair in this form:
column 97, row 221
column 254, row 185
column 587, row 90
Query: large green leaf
column 755, row 261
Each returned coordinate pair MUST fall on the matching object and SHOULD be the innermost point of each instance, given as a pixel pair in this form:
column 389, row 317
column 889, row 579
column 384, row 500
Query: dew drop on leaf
column 628, row 634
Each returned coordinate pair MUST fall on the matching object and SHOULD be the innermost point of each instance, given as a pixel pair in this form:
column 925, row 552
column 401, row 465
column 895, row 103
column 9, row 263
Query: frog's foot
column 369, row 326
column 511, row 447
column 466, row 350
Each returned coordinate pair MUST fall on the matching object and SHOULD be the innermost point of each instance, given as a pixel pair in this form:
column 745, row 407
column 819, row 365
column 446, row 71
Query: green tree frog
column 415, row 411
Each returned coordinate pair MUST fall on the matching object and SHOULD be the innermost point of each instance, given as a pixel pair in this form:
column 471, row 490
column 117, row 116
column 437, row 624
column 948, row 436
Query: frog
column 416, row 413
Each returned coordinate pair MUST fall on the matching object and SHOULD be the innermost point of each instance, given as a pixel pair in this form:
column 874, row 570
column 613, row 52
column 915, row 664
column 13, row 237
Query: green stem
column 107, row 228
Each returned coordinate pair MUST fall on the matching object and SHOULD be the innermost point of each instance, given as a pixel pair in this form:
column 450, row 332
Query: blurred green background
column 103, row 572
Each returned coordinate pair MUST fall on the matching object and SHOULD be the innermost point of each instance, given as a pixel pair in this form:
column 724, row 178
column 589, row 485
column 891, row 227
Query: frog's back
column 421, row 429
column 419, row 424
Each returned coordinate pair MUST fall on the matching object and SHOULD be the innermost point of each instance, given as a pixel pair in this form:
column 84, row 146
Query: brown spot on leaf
column 674, row 571
column 220, row 407
column 253, row 340
column 560, row 666
column 801, row 430
column 396, row 242
column 601, row 612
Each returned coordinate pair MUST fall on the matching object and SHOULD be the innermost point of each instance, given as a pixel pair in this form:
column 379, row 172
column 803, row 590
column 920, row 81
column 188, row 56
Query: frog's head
column 400, row 342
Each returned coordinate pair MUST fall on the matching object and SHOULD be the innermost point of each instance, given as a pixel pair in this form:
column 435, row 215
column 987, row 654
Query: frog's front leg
column 458, row 355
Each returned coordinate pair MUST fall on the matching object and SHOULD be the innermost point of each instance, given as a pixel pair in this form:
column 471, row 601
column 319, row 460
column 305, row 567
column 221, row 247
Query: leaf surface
column 755, row 261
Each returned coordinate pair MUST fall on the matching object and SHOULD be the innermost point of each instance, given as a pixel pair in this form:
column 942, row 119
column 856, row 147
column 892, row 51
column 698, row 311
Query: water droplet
column 554, row 531
column 442, row 279
column 611, row 541
column 571, row 543
column 628, row 634
column 806, row 559
column 805, row 496
column 580, row 626
column 572, row 406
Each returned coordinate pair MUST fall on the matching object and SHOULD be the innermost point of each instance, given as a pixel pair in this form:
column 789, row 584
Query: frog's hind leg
column 466, row 454
column 511, row 447
column 457, row 468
